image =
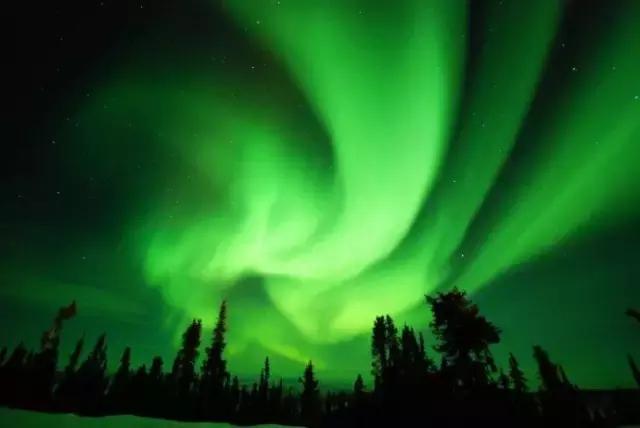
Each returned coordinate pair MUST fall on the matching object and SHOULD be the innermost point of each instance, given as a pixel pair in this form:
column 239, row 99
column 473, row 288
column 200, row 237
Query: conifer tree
column 309, row 398
column 184, row 372
column 358, row 387
column 3, row 354
column 547, row 370
column 92, row 378
column 634, row 369
column 121, row 382
column 518, row 380
column 464, row 337
column 214, row 373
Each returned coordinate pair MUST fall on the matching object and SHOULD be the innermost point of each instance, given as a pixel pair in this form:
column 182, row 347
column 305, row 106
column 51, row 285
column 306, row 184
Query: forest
column 452, row 382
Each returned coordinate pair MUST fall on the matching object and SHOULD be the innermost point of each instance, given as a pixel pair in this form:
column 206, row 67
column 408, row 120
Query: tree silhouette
column 503, row 380
column 183, row 372
column 393, row 352
column 92, row 378
column 518, row 380
column 408, row 389
column 13, row 372
column 214, row 369
column 548, row 371
column 120, row 387
column 464, row 337
column 67, row 390
column 358, row 387
column 309, row 398
column 379, row 352
column 234, row 395
column 634, row 369
column 263, row 384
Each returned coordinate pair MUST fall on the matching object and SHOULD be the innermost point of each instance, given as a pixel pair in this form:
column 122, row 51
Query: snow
column 24, row 419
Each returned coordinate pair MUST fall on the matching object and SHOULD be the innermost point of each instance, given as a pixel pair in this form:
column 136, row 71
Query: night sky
column 317, row 164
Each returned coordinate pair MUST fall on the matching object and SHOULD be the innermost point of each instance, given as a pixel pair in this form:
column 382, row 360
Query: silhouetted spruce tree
column 379, row 350
column 138, row 391
column 234, row 395
column 252, row 407
column 266, row 378
column 634, row 369
column 358, row 401
column 74, row 357
column 263, row 389
column 156, row 390
column 66, row 393
column 309, row 397
column 547, row 370
column 155, row 372
column 13, row 374
column 393, row 349
column 564, row 379
column 464, row 337
column 42, row 370
column 503, row 380
column 560, row 403
column 120, row 389
column 358, row 387
column 92, row 379
column 275, row 396
column 3, row 354
column 518, row 380
column 183, row 373
column 414, row 363
column 214, row 373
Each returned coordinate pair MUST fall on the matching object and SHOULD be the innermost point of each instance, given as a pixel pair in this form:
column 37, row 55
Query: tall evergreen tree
column 263, row 385
column 358, row 387
column 547, row 370
column 634, row 369
column 503, row 380
column 155, row 372
column 464, row 337
column 67, row 392
column 234, row 395
column 309, row 398
column 214, row 373
column 121, row 383
column 564, row 379
column 3, row 354
column 184, row 373
column 518, row 380
column 74, row 357
column 392, row 345
column 379, row 350
column 13, row 372
column 92, row 378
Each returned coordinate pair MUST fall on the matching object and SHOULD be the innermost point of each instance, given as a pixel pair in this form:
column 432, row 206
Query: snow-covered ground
column 10, row 418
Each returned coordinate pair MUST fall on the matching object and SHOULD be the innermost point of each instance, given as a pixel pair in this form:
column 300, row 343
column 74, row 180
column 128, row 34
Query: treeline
column 458, row 385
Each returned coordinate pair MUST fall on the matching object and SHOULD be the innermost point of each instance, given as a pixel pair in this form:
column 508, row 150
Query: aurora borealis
column 317, row 165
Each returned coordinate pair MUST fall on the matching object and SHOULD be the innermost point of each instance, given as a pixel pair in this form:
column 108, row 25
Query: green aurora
column 326, row 164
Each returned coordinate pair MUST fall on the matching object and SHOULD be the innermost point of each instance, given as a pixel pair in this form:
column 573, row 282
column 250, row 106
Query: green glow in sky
column 348, row 159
